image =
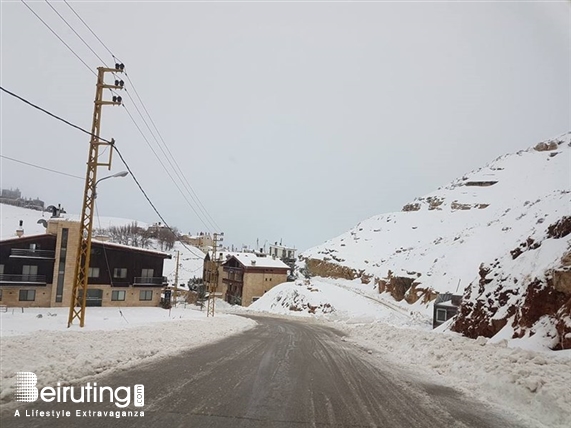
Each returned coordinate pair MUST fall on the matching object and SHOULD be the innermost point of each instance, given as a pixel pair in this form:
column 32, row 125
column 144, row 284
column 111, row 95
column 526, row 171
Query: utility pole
column 176, row 278
column 79, row 292
column 213, row 274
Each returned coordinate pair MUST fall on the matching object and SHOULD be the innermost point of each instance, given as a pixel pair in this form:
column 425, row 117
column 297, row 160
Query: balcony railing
column 28, row 253
column 153, row 281
column 8, row 278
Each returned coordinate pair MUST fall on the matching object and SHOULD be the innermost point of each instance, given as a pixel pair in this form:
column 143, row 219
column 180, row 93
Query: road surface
column 283, row 373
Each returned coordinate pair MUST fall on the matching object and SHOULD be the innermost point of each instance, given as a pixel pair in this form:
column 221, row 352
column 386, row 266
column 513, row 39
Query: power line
column 191, row 192
column 75, row 32
column 195, row 198
column 53, row 115
column 42, row 167
column 118, row 152
column 60, row 39
column 149, row 200
column 89, row 28
column 162, row 164
column 176, row 167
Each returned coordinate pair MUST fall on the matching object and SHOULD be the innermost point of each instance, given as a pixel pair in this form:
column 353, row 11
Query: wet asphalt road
column 283, row 373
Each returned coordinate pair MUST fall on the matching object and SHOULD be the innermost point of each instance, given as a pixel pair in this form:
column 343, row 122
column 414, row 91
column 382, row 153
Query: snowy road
column 283, row 373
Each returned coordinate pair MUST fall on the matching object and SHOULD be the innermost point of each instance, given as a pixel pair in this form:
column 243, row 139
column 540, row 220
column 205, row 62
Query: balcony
column 14, row 279
column 150, row 281
column 32, row 254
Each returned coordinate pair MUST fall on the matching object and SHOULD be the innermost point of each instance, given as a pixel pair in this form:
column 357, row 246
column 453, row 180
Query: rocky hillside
column 500, row 234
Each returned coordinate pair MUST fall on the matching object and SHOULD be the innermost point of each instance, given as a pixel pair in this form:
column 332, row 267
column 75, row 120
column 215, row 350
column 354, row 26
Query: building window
column 146, row 295
column 93, row 272
column 29, row 270
column 120, row 273
column 147, row 273
column 118, row 295
column 0, row 295
column 27, row 295
column 441, row 315
column 1, row 269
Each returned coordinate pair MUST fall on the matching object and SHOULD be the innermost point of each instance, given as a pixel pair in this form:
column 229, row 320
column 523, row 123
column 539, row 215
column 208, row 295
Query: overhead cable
column 118, row 152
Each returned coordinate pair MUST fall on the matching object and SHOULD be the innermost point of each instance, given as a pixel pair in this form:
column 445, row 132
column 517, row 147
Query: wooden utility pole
column 79, row 292
column 213, row 274
column 176, row 278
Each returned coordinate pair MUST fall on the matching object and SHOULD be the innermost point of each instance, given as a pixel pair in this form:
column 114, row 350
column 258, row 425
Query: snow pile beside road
column 109, row 341
column 534, row 384
column 324, row 299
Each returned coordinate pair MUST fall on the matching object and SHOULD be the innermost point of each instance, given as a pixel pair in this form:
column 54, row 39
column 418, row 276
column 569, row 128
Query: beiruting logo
column 121, row 396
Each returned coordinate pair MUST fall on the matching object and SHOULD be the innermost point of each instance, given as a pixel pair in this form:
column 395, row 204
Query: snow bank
column 333, row 300
column 112, row 339
column 534, row 384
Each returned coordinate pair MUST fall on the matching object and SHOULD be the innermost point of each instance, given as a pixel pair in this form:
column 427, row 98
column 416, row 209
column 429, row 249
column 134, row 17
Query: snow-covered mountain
column 502, row 227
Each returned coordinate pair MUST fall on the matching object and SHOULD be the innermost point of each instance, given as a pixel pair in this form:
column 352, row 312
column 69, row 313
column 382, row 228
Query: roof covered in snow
column 253, row 260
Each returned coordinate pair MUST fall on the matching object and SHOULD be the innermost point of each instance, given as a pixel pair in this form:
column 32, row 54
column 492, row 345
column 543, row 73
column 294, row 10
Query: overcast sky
column 291, row 121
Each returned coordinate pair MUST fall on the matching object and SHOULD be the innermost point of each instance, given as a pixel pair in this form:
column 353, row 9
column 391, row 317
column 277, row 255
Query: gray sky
column 291, row 121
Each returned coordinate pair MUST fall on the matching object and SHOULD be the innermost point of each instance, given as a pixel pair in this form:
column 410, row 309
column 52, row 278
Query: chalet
column 247, row 276
column 39, row 270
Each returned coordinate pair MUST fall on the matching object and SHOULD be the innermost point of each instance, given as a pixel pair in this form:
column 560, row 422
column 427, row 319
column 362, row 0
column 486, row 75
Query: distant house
column 39, row 270
column 14, row 197
column 445, row 307
column 203, row 241
column 284, row 253
column 247, row 276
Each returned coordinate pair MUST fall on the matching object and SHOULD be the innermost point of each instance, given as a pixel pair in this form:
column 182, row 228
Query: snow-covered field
column 38, row 340
column 535, row 383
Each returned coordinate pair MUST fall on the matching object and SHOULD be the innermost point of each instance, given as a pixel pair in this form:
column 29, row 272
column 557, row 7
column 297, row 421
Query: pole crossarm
column 79, row 291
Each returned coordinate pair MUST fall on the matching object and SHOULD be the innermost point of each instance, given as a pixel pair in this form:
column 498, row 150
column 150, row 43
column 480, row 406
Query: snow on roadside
column 109, row 341
column 534, row 384
column 333, row 300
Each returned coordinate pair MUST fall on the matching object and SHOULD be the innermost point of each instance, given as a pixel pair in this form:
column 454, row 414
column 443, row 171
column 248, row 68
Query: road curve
column 283, row 373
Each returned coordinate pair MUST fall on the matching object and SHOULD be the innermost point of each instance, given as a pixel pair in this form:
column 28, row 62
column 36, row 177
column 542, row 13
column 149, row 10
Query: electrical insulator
column 116, row 83
column 117, row 65
column 119, row 99
column 121, row 83
column 114, row 99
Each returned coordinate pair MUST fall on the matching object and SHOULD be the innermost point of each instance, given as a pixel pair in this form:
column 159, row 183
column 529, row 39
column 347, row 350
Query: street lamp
column 118, row 174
